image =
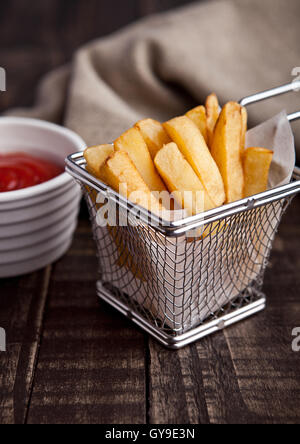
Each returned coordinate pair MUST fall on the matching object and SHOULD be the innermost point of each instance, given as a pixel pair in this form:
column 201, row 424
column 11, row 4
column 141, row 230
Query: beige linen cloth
column 167, row 63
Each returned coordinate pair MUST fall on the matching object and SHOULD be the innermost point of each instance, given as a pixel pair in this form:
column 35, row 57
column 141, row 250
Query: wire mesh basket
column 178, row 286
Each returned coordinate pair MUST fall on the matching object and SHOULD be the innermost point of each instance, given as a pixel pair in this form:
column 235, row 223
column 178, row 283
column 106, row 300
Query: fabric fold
column 162, row 65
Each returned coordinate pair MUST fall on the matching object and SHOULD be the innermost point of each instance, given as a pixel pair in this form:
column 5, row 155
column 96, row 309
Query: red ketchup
column 19, row 170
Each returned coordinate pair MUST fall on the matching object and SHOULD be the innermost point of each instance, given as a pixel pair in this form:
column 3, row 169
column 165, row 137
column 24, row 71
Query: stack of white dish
column 37, row 223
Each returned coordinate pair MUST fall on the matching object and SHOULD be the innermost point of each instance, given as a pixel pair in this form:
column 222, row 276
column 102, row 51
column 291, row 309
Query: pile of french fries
column 198, row 159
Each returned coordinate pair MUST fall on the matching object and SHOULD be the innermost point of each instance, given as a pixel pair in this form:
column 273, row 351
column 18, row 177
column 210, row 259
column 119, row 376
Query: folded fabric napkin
column 167, row 63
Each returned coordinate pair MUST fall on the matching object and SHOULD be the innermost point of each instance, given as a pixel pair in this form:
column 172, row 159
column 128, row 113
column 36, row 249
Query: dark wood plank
column 24, row 69
column 22, row 305
column 248, row 373
column 91, row 365
column 268, row 371
column 65, row 24
column 167, row 402
column 177, row 393
column 196, row 385
column 223, row 398
column 28, row 55
column 63, row 27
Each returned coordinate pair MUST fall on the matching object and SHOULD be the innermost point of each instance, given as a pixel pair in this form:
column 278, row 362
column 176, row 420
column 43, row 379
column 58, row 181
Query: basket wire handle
column 274, row 92
column 293, row 117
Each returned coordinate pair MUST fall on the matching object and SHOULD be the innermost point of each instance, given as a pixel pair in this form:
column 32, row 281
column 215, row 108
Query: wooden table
column 71, row 359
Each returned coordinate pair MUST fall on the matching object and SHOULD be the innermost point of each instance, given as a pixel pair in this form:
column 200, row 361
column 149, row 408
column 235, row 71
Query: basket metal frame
column 180, row 341
column 75, row 165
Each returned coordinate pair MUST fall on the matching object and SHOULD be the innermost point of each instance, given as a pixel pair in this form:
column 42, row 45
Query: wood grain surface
column 37, row 39
column 71, row 359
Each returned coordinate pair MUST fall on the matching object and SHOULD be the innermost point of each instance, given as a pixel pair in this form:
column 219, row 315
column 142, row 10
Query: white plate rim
column 58, row 181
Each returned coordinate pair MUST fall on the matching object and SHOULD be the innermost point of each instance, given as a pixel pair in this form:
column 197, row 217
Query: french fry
column 95, row 157
column 244, row 129
column 193, row 147
column 121, row 174
column 153, row 134
column 125, row 258
column 257, row 162
column 182, row 181
column 226, row 150
column 133, row 143
column 198, row 116
column 212, row 113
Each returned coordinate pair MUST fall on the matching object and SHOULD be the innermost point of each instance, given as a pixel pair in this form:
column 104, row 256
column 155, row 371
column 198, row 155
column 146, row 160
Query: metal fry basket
column 177, row 286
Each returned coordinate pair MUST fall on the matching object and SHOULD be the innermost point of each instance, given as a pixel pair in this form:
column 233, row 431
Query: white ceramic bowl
column 16, row 243
column 37, row 223
column 36, row 263
column 48, row 206
column 11, row 231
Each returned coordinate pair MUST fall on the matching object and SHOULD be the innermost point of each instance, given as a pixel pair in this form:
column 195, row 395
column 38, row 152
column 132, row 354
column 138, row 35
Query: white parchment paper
column 276, row 134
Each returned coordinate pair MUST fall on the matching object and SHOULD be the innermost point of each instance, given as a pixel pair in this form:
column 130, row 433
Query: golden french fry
column 212, row 113
column 244, row 129
column 125, row 258
column 95, row 157
column 193, row 147
column 198, row 116
column 226, row 150
column 182, row 181
column 121, row 174
column 133, row 143
column 153, row 134
column 257, row 162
